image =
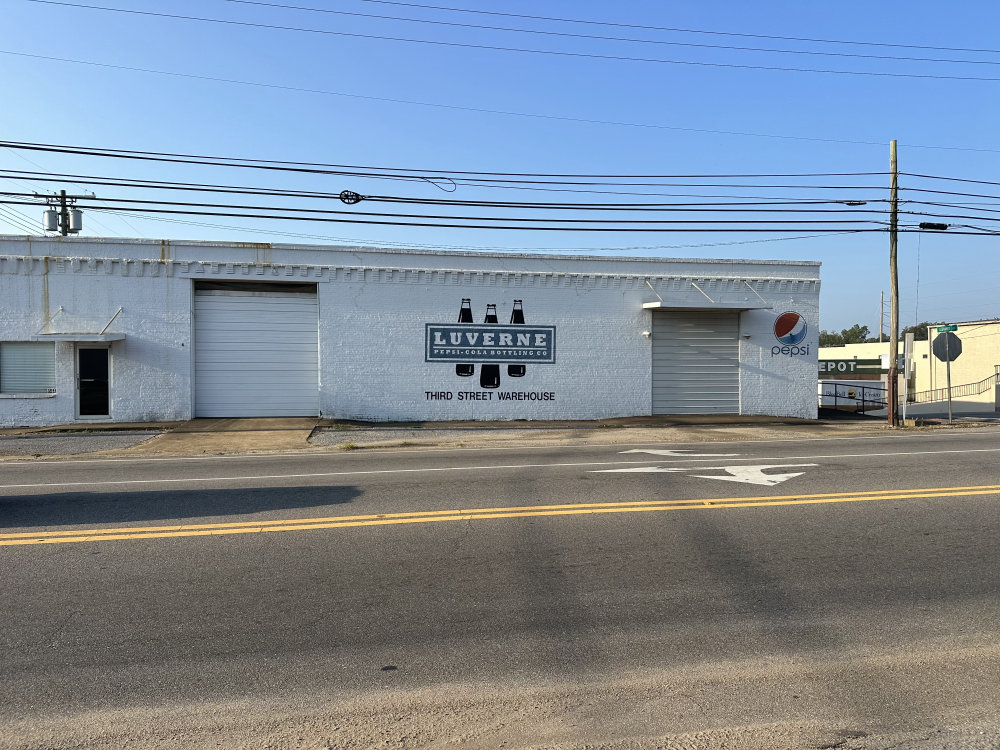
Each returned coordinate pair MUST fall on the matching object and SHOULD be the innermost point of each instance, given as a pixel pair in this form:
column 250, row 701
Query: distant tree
column 919, row 331
column 856, row 334
column 826, row 338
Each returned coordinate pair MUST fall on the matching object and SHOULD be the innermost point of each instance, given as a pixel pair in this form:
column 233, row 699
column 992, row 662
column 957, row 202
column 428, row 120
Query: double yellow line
column 474, row 514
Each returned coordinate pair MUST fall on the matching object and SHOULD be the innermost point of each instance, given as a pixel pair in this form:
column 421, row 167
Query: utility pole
column 63, row 214
column 881, row 315
column 893, row 377
column 60, row 216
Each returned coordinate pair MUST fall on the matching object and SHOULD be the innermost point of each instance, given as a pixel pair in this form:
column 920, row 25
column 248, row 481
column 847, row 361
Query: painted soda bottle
column 517, row 318
column 489, row 375
column 465, row 369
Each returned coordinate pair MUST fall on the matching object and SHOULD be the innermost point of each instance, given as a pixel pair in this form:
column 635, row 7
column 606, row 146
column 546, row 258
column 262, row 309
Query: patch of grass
column 348, row 446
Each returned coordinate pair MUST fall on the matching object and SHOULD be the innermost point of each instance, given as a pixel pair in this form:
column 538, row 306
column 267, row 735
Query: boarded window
column 27, row 367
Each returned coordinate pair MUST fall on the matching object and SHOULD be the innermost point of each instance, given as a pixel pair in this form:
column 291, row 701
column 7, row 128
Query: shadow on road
column 95, row 508
column 776, row 623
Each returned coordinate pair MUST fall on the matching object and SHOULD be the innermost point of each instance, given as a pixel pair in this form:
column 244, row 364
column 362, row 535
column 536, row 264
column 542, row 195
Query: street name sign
column 942, row 329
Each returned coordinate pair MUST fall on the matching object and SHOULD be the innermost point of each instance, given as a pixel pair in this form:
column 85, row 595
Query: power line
column 733, row 200
column 381, row 222
column 600, row 37
column 680, row 30
column 485, row 110
column 950, row 192
column 383, row 172
column 950, row 179
column 786, row 206
column 327, row 212
column 950, row 232
column 957, row 205
column 21, row 156
column 574, row 249
column 14, row 218
column 523, row 50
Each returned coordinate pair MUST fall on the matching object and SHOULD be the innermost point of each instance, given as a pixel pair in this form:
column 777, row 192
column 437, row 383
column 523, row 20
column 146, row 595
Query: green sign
column 942, row 329
column 840, row 368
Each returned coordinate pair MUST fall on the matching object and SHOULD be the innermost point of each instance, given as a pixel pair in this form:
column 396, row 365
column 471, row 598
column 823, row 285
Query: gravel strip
column 71, row 443
column 373, row 437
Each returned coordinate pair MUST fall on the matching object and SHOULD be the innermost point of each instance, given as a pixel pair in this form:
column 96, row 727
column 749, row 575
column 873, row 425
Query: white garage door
column 696, row 362
column 256, row 353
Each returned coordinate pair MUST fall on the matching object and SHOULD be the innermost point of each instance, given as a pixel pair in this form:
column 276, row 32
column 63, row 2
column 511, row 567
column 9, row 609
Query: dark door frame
column 100, row 347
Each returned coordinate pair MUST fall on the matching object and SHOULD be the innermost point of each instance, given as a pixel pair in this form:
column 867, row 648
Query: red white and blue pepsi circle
column 790, row 328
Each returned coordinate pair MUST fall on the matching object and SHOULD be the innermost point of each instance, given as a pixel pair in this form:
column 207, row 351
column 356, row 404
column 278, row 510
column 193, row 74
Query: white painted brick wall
column 373, row 308
column 150, row 369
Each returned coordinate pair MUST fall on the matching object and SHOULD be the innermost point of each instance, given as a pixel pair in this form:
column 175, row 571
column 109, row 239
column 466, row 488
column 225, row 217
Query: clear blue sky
column 944, row 127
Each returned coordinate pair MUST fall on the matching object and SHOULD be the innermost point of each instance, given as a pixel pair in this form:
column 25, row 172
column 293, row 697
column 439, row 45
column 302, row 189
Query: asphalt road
column 822, row 593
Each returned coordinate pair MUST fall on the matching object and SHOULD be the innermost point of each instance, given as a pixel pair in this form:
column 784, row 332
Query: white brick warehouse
column 387, row 343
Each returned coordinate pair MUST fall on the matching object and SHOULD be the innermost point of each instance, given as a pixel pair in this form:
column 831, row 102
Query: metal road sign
column 942, row 329
column 947, row 346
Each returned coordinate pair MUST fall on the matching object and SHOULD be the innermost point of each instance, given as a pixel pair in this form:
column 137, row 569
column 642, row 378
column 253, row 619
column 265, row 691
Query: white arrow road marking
column 755, row 474
column 641, row 470
column 679, row 453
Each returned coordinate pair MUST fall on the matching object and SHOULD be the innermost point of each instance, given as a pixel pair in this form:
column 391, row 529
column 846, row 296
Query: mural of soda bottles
column 517, row 318
column 465, row 369
column 489, row 375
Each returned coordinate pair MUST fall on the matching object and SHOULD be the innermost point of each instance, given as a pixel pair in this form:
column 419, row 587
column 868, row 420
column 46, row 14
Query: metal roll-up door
column 696, row 362
column 256, row 351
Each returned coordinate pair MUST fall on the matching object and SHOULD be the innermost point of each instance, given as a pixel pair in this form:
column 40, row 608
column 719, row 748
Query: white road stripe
column 430, row 470
column 6, row 461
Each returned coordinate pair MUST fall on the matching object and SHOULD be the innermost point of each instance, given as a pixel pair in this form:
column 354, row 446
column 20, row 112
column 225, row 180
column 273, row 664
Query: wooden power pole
column 892, row 400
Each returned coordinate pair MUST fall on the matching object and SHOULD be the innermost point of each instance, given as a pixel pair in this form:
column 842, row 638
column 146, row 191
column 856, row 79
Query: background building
column 138, row 330
column 973, row 373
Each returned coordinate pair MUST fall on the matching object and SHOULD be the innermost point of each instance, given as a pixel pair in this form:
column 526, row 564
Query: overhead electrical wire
column 647, row 27
column 83, row 202
column 948, row 192
column 533, row 227
column 491, row 248
column 949, row 179
column 732, row 200
column 600, row 37
column 16, row 219
column 485, row 110
column 553, row 206
column 381, row 172
column 523, row 50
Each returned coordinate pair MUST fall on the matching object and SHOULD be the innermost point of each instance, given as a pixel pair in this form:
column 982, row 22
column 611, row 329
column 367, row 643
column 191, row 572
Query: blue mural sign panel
column 490, row 343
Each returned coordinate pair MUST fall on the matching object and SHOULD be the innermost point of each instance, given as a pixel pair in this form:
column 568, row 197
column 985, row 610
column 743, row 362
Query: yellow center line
column 254, row 525
column 386, row 519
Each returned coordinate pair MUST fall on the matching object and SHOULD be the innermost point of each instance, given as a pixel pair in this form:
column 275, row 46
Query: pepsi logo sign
column 790, row 329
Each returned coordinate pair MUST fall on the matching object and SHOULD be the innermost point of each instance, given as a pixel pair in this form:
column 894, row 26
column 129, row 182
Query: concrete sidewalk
column 200, row 437
column 226, row 436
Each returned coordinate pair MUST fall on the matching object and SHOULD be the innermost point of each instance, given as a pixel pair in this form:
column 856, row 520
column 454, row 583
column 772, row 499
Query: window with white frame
column 27, row 367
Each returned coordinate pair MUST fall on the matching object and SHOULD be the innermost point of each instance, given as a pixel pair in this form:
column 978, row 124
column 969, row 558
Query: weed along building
column 138, row 330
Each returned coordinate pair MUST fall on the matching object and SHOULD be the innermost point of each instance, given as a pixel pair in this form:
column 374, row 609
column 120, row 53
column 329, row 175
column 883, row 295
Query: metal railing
column 853, row 397
column 957, row 391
